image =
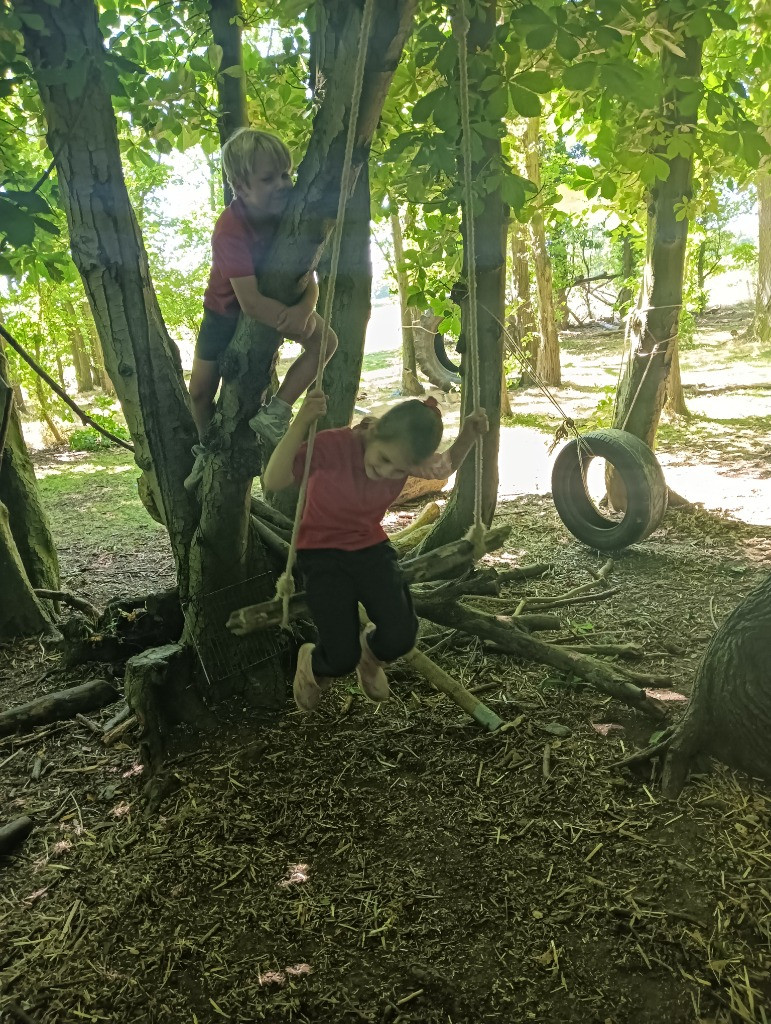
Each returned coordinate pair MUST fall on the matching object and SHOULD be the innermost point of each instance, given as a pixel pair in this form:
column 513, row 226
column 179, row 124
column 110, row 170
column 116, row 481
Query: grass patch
column 381, row 360
column 534, row 420
column 92, row 501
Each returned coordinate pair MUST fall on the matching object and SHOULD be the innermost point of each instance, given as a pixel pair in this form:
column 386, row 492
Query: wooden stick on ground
column 14, row 833
column 445, row 683
column 53, row 707
column 65, row 597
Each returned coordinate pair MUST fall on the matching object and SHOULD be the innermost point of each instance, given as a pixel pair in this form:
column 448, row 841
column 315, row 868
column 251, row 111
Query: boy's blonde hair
column 242, row 150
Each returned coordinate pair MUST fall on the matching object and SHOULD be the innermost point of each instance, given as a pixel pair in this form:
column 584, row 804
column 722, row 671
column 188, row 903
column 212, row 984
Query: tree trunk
column 490, row 227
column 410, row 383
column 19, row 494
column 99, row 370
column 231, row 90
column 653, row 326
column 523, row 314
column 21, row 613
column 80, row 359
column 729, row 714
column 675, row 402
column 108, row 251
column 351, row 308
column 626, row 294
column 547, row 361
column 761, row 327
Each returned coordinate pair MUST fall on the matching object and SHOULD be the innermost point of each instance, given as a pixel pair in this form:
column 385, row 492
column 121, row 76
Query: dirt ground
column 396, row 864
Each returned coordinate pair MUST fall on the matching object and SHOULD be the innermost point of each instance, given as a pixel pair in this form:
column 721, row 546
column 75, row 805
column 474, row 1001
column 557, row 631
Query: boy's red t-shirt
column 238, row 249
column 343, row 507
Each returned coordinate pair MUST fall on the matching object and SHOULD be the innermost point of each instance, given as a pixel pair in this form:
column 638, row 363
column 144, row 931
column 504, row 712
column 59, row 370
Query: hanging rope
column 285, row 585
column 460, row 29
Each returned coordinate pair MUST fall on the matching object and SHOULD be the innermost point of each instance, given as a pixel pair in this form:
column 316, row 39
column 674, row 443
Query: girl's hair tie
column 433, row 405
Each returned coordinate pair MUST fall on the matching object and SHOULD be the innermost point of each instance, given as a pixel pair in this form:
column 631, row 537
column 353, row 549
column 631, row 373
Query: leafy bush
column 86, row 439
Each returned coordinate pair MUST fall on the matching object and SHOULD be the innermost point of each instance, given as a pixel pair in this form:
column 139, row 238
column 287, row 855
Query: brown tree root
column 506, row 635
column 729, row 714
column 55, row 707
column 123, row 629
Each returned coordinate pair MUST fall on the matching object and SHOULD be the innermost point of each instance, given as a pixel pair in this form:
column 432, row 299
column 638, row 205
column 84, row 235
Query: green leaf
column 199, row 64
column 608, row 187
column 497, row 104
column 446, row 115
column 6, row 267
column 529, row 14
column 31, row 201
column 214, row 53
column 722, row 19
column 579, row 76
column 525, row 103
column 699, row 25
column 491, row 82
column 17, row 225
column 424, row 108
column 535, row 81
column 541, row 37
column 607, row 37
column 234, row 71
column 33, row 21
column 567, row 46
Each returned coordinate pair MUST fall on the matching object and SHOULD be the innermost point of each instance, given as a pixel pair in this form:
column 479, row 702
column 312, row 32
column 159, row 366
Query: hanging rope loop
column 285, row 586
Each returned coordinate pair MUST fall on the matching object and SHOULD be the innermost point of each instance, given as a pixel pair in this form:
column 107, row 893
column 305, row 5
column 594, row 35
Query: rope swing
column 285, row 586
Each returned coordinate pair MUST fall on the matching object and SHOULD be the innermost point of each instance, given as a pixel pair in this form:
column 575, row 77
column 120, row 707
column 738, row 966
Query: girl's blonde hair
column 242, row 150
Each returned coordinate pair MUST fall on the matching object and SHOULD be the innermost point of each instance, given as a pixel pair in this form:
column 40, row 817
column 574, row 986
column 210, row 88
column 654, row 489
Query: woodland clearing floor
column 395, row 864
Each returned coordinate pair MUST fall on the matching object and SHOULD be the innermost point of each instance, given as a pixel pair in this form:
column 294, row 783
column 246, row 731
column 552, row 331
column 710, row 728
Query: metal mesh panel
column 223, row 654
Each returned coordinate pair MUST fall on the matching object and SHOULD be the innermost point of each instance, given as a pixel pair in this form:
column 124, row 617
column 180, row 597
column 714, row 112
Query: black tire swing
column 640, row 473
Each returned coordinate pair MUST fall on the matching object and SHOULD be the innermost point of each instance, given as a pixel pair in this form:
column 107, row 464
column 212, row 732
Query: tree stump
column 729, row 715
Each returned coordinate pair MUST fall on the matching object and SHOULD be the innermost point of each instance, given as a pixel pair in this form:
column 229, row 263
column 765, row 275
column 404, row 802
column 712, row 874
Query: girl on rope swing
column 342, row 549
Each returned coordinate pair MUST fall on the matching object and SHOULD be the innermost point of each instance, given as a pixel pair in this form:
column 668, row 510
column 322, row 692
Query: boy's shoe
column 272, row 421
column 193, row 479
column 307, row 690
column 373, row 681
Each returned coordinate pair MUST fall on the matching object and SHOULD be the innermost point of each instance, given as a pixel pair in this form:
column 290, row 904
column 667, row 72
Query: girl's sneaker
column 272, row 421
column 307, row 690
column 373, row 681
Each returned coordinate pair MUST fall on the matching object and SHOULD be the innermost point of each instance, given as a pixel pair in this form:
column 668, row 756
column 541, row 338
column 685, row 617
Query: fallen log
column 54, row 707
column 14, row 834
column 438, row 563
column 509, row 638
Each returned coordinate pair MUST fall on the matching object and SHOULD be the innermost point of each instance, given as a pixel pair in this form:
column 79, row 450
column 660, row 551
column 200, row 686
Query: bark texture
column 547, row 360
column 27, row 521
column 21, row 613
column 729, row 714
column 350, row 309
column 490, row 225
column 653, row 325
column 231, row 91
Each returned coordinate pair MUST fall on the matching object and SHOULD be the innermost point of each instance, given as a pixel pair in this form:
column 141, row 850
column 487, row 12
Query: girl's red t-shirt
column 343, row 507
